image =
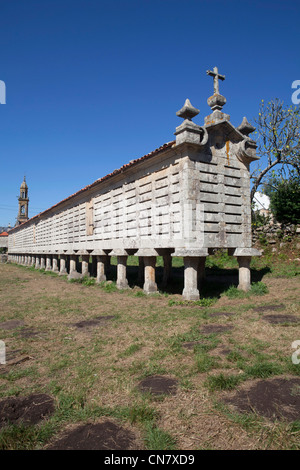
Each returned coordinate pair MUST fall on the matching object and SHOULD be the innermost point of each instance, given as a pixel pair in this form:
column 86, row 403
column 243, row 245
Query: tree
column 278, row 140
column 284, row 197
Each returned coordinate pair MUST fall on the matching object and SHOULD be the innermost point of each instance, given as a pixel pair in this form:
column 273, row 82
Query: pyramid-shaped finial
column 187, row 111
column 245, row 127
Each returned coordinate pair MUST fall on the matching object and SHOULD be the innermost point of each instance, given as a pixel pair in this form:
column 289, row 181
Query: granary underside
column 184, row 199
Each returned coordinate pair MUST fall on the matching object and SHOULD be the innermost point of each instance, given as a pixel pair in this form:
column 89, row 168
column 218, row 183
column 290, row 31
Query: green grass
column 257, row 288
column 157, row 439
column 205, row 363
column 131, row 350
column 206, row 302
column 222, row 382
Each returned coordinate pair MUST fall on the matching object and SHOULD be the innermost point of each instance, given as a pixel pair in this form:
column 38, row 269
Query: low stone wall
column 272, row 233
column 3, row 258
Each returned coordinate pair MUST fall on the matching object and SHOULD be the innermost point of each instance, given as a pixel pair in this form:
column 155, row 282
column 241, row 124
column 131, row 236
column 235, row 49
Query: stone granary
column 185, row 199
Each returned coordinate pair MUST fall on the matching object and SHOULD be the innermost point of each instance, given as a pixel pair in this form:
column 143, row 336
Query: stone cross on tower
column 215, row 73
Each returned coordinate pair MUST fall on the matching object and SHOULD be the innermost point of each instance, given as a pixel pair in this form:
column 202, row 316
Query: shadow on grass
column 217, row 281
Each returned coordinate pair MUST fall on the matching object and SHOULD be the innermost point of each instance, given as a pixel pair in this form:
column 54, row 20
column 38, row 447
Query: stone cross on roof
column 215, row 73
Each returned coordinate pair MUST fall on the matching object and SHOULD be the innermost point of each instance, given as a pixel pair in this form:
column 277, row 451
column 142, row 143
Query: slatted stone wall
column 141, row 209
column 221, row 189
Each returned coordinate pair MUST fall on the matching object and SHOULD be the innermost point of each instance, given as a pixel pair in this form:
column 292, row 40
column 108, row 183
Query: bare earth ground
column 113, row 368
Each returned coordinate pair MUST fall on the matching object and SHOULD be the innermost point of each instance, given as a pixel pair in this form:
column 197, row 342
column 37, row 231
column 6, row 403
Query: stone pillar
column 48, row 262
column 190, row 291
column 29, row 260
column 55, row 263
column 244, row 256
column 122, row 282
column 150, row 285
column 85, row 265
column 244, row 273
column 42, row 262
column 101, row 263
column 33, row 257
column 63, row 268
column 37, row 261
column 149, row 260
column 73, row 273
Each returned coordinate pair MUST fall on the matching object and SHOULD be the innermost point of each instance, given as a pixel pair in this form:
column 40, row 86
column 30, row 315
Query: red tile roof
column 4, row 234
column 100, row 180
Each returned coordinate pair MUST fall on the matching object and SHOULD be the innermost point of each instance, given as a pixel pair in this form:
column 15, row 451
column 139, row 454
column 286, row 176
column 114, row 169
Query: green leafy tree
column 284, row 197
column 278, row 140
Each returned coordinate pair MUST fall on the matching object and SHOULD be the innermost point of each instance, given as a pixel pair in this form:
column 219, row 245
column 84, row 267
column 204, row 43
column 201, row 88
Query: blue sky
column 93, row 84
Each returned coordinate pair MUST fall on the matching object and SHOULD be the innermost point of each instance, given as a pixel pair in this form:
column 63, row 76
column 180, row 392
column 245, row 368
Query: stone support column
column 101, row 263
column 149, row 260
column 150, row 285
column 73, row 273
column 244, row 256
column 42, row 262
column 122, row 282
column 48, row 262
column 33, row 258
column 190, row 291
column 37, row 261
column 244, row 273
column 63, row 267
column 55, row 263
column 85, row 265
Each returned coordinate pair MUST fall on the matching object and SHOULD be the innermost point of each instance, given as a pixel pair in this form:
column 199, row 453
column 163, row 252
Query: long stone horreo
column 186, row 198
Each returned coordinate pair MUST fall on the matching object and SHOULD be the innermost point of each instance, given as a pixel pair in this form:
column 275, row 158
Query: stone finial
column 245, row 127
column 188, row 131
column 217, row 76
column 217, row 101
column 187, row 111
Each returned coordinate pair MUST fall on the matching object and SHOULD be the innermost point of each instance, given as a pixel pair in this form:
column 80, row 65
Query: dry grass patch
column 89, row 349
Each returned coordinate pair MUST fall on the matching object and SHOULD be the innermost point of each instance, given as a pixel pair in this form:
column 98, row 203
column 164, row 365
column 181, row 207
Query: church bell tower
column 23, row 203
